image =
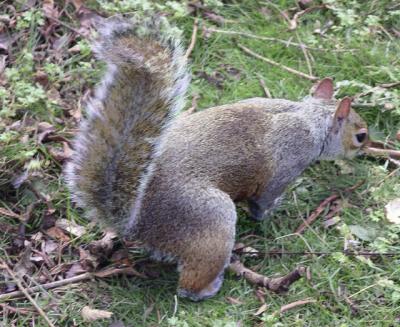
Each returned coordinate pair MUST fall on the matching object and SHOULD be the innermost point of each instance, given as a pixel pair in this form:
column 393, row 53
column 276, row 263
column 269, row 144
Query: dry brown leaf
column 71, row 227
column 49, row 246
column 261, row 309
column 89, row 314
column 49, row 10
column 233, row 300
column 24, row 266
column 392, row 210
column 76, row 269
column 58, row 234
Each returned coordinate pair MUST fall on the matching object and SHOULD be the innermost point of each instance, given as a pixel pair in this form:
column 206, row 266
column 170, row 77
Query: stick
column 48, row 286
column 193, row 40
column 384, row 86
column 322, row 206
column 395, row 154
column 16, row 310
column 24, row 291
column 259, row 37
column 277, row 285
column 293, row 21
column 275, row 253
column 295, row 304
column 265, row 88
column 306, row 55
column 76, row 279
column 11, row 214
column 274, row 63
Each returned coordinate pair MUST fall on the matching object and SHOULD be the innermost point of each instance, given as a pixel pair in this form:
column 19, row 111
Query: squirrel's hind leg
column 203, row 263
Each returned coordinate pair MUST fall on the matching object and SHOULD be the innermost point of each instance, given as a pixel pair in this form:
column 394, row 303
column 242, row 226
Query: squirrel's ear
column 343, row 109
column 323, row 89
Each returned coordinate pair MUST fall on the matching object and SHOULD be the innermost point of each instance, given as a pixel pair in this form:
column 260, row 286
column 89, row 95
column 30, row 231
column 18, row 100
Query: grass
column 360, row 51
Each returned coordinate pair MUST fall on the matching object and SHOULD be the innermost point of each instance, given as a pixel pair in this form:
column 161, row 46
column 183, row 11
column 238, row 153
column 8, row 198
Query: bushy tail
column 143, row 88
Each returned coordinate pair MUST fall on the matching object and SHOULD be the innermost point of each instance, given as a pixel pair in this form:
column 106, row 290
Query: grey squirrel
column 171, row 181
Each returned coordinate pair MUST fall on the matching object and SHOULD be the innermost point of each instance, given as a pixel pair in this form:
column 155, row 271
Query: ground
column 46, row 73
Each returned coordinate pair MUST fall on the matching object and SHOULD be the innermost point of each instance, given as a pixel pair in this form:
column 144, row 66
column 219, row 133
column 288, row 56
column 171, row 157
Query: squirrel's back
column 144, row 86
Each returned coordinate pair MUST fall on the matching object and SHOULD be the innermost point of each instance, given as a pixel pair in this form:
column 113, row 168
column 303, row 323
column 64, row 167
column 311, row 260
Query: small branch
column 193, row 40
column 265, row 88
column 379, row 86
column 48, row 286
column 278, row 284
column 306, row 55
column 294, row 21
column 9, row 213
column 322, row 206
column 5, row 307
column 193, row 108
column 76, row 279
column 259, row 37
column 395, row 154
column 60, row 22
column 274, row 63
column 26, row 293
column 295, row 304
column 347, row 253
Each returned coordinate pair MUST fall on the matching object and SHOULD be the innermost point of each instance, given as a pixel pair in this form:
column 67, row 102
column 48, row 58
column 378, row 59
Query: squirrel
column 171, row 181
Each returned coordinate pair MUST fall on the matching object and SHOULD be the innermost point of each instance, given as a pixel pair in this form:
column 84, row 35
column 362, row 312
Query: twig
column 395, row 154
column 278, row 284
column 66, row 25
column 263, row 38
column 194, row 38
column 265, row 88
column 48, row 286
column 26, row 293
column 274, row 63
column 347, row 253
column 376, row 87
column 16, row 310
column 9, row 213
column 306, row 55
column 296, row 16
column 295, row 304
column 76, row 279
column 193, row 108
column 322, row 206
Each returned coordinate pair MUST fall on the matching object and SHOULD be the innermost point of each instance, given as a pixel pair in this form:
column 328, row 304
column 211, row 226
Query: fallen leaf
column 71, row 227
column 233, row 300
column 331, row 222
column 362, row 233
column 49, row 246
column 24, row 266
column 49, row 10
column 89, row 314
column 76, row 269
column 392, row 210
column 261, row 309
column 58, row 234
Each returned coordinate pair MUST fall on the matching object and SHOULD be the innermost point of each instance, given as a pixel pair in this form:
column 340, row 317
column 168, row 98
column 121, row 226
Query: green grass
column 373, row 284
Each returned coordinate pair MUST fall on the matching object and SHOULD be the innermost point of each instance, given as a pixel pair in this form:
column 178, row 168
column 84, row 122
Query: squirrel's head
column 348, row 132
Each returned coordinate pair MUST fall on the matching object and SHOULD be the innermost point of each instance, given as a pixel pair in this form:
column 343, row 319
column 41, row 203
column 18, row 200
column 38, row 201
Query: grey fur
column 172, row 184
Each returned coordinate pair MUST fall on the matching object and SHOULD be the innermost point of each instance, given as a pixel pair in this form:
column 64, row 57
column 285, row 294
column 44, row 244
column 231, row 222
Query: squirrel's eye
column 361, row 137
